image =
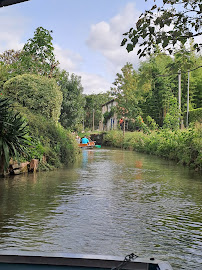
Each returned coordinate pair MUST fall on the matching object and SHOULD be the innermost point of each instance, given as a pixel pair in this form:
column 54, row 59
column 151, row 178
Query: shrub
column 194, row 116
column 171, row 122
column 50, row 139
column 37, row 93
column 151, row 123
column 14, row 138
column 183, row 146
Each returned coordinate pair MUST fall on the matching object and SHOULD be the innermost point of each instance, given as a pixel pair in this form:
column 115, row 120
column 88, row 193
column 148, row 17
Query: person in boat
column 78, row 139
column 89, row 138
column 84, row 140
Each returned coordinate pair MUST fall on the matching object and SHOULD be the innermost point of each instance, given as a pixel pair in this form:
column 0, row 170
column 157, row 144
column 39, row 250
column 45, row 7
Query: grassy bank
column 183, row 146
column 49, row 140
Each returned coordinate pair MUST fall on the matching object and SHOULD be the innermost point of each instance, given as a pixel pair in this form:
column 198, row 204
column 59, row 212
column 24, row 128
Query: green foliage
column 10, row 65
column 108, row 115
column 94, row 102
column 37, row 93
column 114, row 138
column 50, row 139
column 156, row 101
column 36, row 57
column 140, row 125
column 127, row 93
column 194, row 115
column 73, row 100
column 171, row 120
column 26, row 77
column 183, row 146
column 14, row 138
column 184, row 17
column 152, row 125
column 38, row 54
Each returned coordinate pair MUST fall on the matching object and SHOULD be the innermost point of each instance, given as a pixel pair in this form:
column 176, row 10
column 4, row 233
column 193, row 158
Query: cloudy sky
column 86, row 34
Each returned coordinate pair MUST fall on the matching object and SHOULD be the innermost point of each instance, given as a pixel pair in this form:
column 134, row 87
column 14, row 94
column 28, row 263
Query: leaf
column 154, row 7
column 165, row 43
column 151, row 29
column 129, row 47
column 123, row 41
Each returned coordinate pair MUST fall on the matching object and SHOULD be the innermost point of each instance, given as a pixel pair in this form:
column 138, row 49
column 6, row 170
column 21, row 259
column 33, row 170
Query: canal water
column 111, row 202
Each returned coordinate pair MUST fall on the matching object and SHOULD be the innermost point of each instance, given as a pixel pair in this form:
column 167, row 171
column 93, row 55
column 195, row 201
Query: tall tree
column 73, row 100
column 157, row 100
column 38, row 54
column 36, row 57
column 165, row 25
column 126, row 92
column 184, row 61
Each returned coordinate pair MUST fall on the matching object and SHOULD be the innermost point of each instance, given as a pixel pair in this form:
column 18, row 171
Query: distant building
column 111, row 121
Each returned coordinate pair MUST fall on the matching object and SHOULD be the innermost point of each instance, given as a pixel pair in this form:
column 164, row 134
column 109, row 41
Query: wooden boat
column 90, row 144
column 36, row 261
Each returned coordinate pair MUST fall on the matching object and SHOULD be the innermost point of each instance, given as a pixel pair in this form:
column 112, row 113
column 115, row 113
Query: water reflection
column 111, row 202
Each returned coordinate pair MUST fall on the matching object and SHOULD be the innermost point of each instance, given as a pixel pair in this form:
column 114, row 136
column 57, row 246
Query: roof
column 4, row 3
column 112, row 100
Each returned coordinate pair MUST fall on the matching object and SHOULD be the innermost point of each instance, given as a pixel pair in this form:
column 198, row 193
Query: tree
column 73, row 100
column 9, row 65
column 126, row 92
column 14, row 138
column 156, row 101
column 36, row 57
column 175, row 20
column 94, row 102
column 38, row 54
column 185, row 61
column 37, row 93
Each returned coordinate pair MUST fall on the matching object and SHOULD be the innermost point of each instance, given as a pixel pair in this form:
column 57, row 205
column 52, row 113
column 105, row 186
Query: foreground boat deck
column 60, row 261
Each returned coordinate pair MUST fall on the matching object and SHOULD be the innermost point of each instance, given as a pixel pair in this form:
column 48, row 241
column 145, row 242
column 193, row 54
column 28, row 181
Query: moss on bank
column 183, row 146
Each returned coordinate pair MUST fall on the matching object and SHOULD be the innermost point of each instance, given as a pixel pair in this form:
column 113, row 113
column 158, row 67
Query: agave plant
column 14, row 138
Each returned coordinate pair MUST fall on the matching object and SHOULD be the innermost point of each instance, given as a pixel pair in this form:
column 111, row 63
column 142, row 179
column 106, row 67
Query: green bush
column 50, row 139
column 151, row 123
column 14, row 134
column 194, row 116
column 171, row 122
column 38, row 94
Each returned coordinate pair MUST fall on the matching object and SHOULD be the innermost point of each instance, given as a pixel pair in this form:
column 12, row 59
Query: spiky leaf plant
column 14, row 138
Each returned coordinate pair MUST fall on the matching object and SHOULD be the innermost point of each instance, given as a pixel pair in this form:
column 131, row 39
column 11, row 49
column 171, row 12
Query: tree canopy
column 126, row 92
column 38, row 53
column 73, row 100
column 165, row 25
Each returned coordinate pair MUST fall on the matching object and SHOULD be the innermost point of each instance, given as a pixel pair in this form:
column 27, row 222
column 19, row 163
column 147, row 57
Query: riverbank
column 183, row 146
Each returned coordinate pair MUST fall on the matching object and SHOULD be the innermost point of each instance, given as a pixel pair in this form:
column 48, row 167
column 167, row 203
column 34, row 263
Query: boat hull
column 87, row 145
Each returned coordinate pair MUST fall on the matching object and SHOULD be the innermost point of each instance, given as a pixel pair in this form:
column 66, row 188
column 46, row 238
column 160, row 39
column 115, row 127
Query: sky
column 86, row 35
